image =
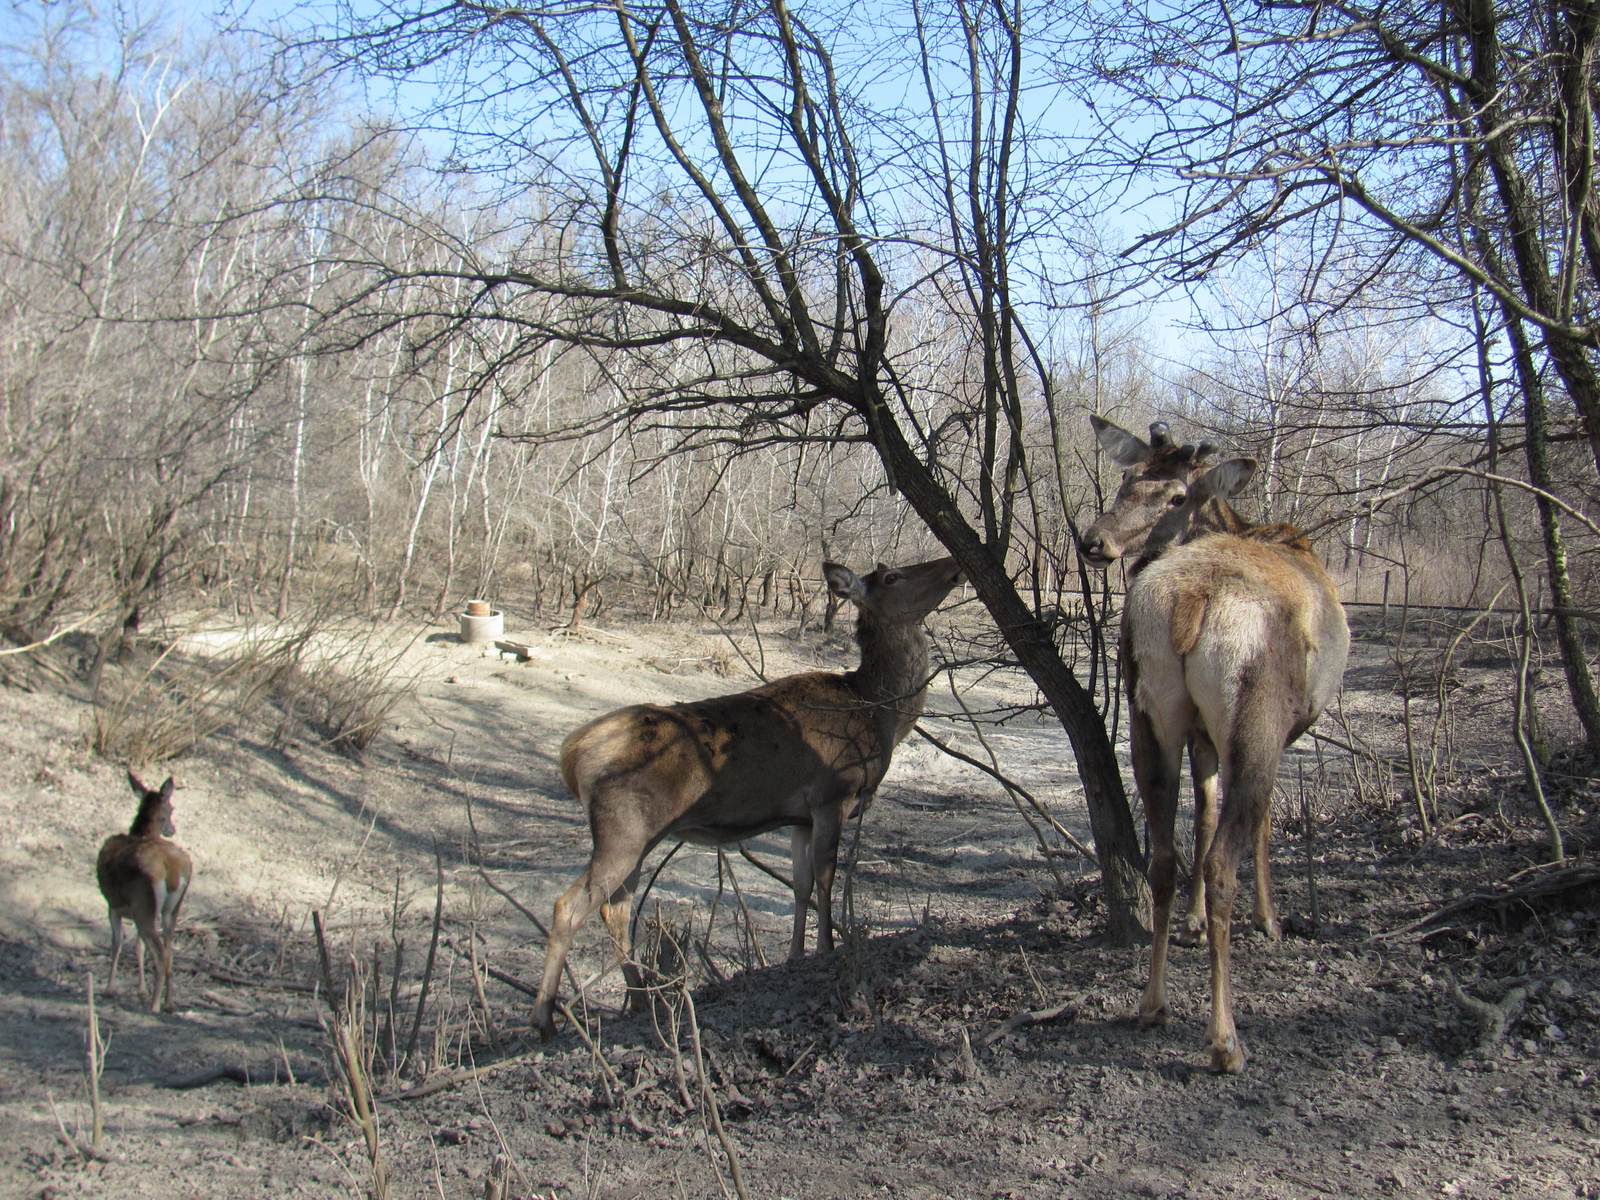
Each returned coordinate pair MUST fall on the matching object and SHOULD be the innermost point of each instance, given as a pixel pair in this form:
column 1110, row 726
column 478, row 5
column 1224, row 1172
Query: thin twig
column 711, row 1111
column 755, row 862
column 1012, row 787
column 95, row 1062
column 583, row 1033
column 477, row 986
column 433, row 948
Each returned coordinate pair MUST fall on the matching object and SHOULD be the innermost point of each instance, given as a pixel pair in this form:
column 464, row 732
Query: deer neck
column 148, row 822
column 1214, row 516
column 894, row 668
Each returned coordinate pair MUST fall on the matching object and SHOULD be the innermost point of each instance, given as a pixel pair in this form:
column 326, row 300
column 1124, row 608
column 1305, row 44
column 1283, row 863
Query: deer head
column 895, row 595
column 155, row 808
column 1164, row 486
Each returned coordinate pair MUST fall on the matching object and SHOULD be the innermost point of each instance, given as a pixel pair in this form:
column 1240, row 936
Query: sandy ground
column 885, row 1068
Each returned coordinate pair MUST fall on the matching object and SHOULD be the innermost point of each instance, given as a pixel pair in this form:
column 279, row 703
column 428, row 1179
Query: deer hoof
column 1191, row 934
column 1228, row 1057
column 1153, row 1018
column 1271, row 928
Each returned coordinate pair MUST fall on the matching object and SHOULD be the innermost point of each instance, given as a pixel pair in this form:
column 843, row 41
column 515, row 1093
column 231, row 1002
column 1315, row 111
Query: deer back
column 740, row 764
column 1234, row 612
column 134, row 870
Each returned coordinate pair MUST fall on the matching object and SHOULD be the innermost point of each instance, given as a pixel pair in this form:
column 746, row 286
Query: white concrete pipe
column 481, row 624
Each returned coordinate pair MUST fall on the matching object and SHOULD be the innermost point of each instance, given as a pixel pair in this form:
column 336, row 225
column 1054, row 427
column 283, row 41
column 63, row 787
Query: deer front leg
column 138, row 958
column 827, row 822
column 800, row 862
column 1203, row 769
column 1266, row 913
column 116, row 952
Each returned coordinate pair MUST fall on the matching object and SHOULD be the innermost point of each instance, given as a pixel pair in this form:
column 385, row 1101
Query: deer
column 1233, row 642
column 806, row 751
column 144, row 877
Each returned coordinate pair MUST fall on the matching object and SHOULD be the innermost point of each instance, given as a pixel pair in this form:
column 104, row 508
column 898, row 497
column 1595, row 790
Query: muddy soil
column 906, row 1063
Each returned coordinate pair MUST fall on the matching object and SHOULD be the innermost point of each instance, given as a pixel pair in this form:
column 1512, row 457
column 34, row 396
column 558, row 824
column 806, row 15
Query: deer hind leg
column 800, row 862
column 598, row 884
column 1203, row 768
column 146, row 925
column 1156, row 769
column 168, row 905
column 617, row 913
column 1247, row 795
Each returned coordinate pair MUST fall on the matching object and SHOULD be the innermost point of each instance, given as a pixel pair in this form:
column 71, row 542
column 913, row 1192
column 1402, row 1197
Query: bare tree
column 762, row 305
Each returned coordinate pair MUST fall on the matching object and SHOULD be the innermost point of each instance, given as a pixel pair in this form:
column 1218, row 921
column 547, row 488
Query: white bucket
column 476, row 630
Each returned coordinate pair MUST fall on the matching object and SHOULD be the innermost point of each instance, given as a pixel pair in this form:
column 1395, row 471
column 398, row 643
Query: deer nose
column 1093, row 547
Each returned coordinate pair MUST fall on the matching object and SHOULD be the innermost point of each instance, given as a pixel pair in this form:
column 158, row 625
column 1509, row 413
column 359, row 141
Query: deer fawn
column 1233, row 642
column 143, row 878
column 804, row 751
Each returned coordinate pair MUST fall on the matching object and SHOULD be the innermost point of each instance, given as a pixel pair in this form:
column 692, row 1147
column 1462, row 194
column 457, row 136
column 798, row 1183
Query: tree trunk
column 1574, row 655
column 1116, row 840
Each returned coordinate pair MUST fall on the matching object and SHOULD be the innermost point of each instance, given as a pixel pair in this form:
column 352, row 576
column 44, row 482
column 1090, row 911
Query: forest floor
column 903, row 1064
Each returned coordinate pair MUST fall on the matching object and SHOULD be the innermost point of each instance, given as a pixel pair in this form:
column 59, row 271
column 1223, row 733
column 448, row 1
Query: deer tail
column 1188, row 613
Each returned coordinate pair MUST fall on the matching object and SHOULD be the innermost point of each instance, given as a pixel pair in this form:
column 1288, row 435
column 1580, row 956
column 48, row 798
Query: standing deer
column 143, row 876
column 803, row 751
column 1233, row 642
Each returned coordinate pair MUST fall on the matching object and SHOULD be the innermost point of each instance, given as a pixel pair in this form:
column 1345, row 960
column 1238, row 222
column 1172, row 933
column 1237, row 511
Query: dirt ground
column 901, row 1065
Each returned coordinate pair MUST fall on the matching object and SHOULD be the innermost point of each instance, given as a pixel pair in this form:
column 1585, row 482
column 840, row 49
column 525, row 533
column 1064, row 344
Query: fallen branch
column 56, row 636
column 537, row 924
column 276, row 1072
column 589, row 1042
column 223, row 975
column 456, row 1078
column 1492, row 1019
column 1548, row 880
column 1038, row 1016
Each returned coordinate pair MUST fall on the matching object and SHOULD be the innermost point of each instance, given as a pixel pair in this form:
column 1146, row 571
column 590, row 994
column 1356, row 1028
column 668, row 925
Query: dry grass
column 338, row 683
column 160, row 712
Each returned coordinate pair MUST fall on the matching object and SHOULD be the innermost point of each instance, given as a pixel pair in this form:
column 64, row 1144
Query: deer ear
column 133, row 782
column 843, row 582
column 166, row 789
column 1124, row 449
column 1226, row 479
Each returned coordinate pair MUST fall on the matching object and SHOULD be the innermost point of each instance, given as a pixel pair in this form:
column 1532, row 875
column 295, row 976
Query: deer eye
column 892, row 577
column 1177, row 500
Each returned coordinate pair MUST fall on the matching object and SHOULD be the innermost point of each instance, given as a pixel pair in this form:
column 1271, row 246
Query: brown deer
column 144, row 877
column 803, row 751
column 1233, row 642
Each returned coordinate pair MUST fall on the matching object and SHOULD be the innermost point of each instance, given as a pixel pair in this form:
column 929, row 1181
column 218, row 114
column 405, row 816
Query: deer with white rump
column 144, row 877
column 805, row 751
column 1233, row 642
